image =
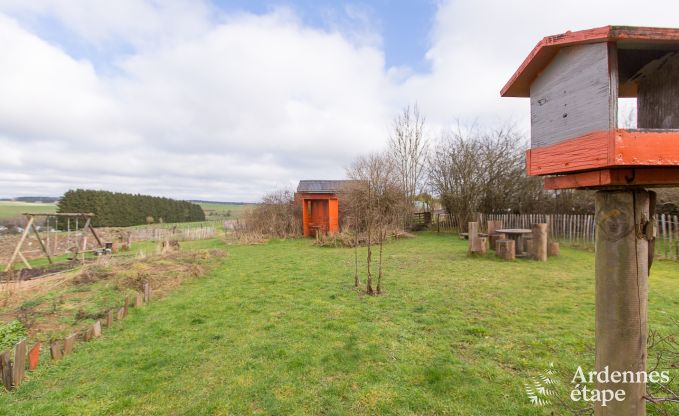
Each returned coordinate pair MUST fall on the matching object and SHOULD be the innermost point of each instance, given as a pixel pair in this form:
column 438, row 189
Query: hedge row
column 113, row 209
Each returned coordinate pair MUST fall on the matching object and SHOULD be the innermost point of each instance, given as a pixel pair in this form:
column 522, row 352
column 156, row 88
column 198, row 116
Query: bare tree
column 277, row 216
column 377, row 188
column 407, row 150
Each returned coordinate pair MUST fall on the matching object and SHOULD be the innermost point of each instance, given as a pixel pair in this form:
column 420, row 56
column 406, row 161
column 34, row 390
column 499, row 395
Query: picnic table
column 516, row 234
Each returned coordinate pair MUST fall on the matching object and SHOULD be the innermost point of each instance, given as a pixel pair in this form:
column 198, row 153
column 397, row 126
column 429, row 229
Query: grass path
column 279, row 330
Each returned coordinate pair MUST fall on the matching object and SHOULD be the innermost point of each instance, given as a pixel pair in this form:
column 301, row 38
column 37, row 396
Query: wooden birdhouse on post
column 574, row 81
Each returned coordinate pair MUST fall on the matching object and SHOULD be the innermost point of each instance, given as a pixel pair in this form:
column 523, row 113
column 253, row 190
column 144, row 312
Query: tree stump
column 539, row 242
column 493, row 239
column 491, row 226
column 553, row 249
column 506, row 249
column 472, row 235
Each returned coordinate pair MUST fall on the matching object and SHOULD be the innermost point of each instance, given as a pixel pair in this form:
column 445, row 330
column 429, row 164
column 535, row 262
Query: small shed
column 320, row 205
column 574, row 81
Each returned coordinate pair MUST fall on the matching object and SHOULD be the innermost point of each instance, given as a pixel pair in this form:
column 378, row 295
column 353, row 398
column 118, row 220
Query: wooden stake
column 56, row 351
column 622, row 294
column 19, row 366
column 109, row 318
column 147, row 292
column 68, row 344
column 138, row 300
column 6, row 370
column 34, row 356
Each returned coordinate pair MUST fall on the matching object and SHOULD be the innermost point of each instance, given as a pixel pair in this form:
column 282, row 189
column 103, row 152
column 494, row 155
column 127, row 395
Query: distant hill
column 199, row 201
column 36, row 199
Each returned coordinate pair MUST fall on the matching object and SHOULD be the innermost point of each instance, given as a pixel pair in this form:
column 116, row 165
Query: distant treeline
column 113, row 209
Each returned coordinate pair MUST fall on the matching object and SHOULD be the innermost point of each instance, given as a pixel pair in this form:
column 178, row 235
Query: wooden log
column 69, row 342
column 539, row 249
column 126, row 305
column 147, row 292
column 553, row 249
column 19, row 366
column 493, row 225
column 109, row 318
column 56, row 351
column 34, row 356
column 621, row 295
column 6, row 370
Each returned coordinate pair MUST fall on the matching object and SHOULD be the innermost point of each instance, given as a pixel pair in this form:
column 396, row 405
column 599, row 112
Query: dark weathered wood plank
column 19, row 365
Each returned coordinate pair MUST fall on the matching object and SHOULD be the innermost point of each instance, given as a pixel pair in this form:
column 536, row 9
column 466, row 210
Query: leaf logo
column 538, row 390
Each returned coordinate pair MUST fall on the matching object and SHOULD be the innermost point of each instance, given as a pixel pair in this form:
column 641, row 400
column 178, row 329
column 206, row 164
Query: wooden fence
column 153, row 233
column 576, row 229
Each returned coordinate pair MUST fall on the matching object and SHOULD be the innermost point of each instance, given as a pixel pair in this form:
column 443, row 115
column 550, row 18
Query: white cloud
column 213, row 106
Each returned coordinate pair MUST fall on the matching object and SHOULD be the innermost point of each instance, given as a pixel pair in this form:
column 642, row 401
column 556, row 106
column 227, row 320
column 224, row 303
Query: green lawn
column 11, row 209
column 278, row 329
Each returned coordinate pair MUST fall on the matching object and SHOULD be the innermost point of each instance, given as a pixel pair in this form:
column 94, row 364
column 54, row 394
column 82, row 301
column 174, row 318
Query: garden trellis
column 50, row 249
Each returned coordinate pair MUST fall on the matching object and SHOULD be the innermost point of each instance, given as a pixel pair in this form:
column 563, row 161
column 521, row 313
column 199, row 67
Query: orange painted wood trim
column 606, row 149
column 661, row 176
column 646, row 147
column 519, row 84
column 587, row 152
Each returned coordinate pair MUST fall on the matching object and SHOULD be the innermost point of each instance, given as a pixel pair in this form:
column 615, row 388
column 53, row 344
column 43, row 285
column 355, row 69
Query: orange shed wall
column 329, row 211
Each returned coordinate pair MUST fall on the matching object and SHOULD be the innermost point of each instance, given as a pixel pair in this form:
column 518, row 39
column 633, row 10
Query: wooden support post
column 622, row 294
column 121, row 314
column 138, row 300
column 539, row 242
column 42, row 243
column 147, row 292
column 23, row 259
column 19, row 366
column 6, row 370
column 17, row 249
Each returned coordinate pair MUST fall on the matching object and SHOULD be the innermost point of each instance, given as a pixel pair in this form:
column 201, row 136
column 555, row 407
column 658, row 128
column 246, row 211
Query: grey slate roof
column 321, row 187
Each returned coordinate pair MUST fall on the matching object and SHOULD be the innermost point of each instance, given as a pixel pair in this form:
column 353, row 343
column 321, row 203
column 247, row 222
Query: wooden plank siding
column 571, row 97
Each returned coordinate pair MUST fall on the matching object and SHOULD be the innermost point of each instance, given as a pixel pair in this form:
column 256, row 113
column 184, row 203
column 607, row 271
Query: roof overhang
column 547, row 48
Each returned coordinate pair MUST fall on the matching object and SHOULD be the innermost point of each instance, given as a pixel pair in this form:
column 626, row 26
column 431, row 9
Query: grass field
column 223, row 211
column 278, row 329
column 12, row 209
column 213, row 211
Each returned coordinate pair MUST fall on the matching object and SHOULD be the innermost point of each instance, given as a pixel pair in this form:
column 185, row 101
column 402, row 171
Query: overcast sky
column 228, row 100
